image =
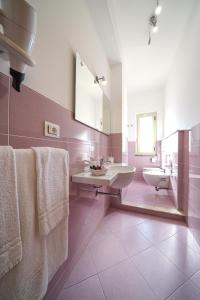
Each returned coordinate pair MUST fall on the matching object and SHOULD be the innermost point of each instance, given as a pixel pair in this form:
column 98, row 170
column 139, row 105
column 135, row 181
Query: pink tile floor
column 136, row 257
column 140, row 194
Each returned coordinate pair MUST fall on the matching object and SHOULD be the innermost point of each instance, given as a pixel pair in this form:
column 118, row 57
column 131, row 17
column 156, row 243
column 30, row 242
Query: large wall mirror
column 92, row 107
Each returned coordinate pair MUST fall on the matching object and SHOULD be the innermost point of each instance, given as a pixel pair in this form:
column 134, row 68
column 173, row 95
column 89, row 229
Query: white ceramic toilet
column 156, row 177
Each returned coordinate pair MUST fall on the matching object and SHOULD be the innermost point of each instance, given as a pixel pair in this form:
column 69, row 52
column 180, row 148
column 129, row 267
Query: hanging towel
column 10, row 239
column 52, row 171
column 42, row 256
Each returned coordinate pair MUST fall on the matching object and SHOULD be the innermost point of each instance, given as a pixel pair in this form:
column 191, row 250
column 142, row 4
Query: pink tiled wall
column 194, row 183
column 22, row 117
column 141, row 161
column 175, row 150
column 4, row 94
column 116, row 146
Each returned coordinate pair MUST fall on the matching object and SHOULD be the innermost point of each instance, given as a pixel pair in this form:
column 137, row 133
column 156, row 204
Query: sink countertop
column 88, row 178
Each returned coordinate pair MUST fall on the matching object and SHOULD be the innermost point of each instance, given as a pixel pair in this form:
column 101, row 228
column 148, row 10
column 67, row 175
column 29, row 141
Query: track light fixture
column 153, row 20
column 158, row 9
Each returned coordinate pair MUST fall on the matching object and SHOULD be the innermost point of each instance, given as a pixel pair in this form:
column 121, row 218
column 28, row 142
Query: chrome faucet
column 101, row 161
column 163, row 169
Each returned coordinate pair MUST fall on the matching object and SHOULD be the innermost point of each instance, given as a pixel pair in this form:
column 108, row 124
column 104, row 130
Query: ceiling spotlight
column 101, row 80
column 153, row 21
column 154, row 29
column 158, row 9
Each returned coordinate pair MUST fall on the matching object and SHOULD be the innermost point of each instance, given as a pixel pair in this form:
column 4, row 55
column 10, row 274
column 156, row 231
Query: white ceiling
column 123, row 28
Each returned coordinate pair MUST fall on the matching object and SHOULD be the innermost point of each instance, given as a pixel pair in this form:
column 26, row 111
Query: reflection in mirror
column 106, row 115
column 91, row 106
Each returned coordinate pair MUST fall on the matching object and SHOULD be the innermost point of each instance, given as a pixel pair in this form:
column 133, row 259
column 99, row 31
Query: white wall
column 145, row 102
column 182, row 93
column 124, row 111
column 64, row 26
column 116, row 98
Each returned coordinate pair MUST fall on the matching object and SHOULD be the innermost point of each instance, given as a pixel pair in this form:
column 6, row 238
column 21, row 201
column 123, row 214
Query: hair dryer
column 18, row 20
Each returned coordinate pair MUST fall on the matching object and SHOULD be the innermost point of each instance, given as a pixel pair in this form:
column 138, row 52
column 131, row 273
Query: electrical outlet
column 51, row 129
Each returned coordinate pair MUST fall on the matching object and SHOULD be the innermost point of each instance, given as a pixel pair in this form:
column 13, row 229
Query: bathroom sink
column 118, row 176
column 125, row 175
column 121, row 168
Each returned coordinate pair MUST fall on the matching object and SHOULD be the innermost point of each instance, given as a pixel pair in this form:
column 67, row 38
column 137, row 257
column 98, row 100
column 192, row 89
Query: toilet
column 156, row 177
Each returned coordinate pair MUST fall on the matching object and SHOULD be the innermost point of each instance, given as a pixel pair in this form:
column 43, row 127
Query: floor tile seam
column 78, row 282
column 91, row 257
column 169, row 261
column 109, row 266
column 197, row 251
column 194, row 251
column 145, row 237
column 177, row 267
column 147, row 282
column 198, row 286
column 155, row 243
column 130, row 226
column 136, row 254
column 104, row 293
column 180, row 240
column 114, row 265
column 169, row 237
column 180, row 287
column 143, row 234
column 138, row 232
column 99, row 239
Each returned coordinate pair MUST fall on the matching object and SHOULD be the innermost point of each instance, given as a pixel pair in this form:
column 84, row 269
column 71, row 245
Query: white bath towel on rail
column 42, row 256
column 52, row 171
column 10, row 238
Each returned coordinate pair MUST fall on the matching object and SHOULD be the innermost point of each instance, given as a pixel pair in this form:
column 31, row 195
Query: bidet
column 156, row 177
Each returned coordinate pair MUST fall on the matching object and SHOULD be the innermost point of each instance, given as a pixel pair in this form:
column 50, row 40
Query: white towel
column 10, row 239
column 52, row 170
column 42, row 256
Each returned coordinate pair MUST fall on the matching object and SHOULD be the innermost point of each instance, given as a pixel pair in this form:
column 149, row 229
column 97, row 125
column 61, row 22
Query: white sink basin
column 117, row 176
column 121, row 168
column 125, row 175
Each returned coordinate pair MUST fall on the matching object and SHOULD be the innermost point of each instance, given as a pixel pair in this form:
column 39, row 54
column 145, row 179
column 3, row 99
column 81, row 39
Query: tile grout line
column 187, row 280
column 177, row 267
column 148, row 284
column 101, row 286
column 73, row 284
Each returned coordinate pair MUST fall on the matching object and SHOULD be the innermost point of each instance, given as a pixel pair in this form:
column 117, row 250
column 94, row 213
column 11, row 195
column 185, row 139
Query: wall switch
column 51, row 129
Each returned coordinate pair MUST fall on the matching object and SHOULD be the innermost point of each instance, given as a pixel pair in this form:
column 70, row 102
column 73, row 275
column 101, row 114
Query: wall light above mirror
column 92, row 107
column 101, row 80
